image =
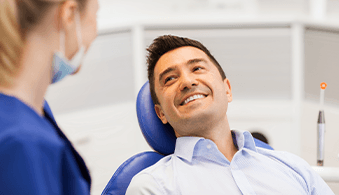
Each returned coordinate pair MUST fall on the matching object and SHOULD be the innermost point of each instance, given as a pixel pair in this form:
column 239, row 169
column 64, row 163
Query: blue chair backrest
column 119, row 182
column 159, row 136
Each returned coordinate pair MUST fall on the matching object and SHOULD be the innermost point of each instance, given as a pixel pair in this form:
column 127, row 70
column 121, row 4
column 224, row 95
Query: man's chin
column 195, row 119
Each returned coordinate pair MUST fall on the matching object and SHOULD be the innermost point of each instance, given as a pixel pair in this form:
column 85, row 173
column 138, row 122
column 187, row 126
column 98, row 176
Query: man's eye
column 168, row 79
column 197, row 68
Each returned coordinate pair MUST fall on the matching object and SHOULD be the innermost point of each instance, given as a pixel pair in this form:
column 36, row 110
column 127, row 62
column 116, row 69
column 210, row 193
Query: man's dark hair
column 166, row 43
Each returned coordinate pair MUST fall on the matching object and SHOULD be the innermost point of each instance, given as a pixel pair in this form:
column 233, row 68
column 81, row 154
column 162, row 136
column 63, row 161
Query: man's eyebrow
column 169, row 69
column 189, row 62
column 196, row 60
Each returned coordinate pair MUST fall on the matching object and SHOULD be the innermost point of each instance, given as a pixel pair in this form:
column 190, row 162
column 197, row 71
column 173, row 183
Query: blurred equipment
column 321, row 127
column 260, row 136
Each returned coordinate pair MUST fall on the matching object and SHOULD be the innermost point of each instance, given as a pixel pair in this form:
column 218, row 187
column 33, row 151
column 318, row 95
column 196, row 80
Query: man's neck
column 222, row 137
column 226, row 146
column 219, row 132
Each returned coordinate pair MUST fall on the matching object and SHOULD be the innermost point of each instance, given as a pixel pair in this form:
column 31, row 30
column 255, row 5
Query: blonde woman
column 41, row 42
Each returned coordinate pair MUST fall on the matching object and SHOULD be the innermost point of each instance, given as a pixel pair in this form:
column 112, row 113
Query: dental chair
column 159, row 136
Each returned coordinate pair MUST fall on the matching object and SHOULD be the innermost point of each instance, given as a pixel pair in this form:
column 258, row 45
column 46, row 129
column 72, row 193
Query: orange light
column 323, row 85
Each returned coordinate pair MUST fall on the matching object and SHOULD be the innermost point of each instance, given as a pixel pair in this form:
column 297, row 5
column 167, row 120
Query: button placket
column 240, row 178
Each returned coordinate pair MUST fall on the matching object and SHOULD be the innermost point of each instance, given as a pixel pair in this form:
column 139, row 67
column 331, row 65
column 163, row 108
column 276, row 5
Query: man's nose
column 187, row 81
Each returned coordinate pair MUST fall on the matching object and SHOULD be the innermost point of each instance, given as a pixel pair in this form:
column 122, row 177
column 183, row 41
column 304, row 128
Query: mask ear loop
column 78, row 29
column 62, row 42
column 77, row 58
column 78, row 32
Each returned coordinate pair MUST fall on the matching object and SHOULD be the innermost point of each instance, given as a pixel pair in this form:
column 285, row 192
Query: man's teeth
column 194, row 97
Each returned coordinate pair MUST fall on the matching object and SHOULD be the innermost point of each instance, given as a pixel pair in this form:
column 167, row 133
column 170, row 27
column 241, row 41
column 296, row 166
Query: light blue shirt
column 198, row 167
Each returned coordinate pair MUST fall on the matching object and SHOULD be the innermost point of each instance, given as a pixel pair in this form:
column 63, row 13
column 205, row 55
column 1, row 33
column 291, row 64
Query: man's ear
column 160, row 113
column 228, row 89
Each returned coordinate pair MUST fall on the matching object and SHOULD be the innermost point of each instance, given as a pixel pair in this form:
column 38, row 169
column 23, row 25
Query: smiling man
column 191, row 93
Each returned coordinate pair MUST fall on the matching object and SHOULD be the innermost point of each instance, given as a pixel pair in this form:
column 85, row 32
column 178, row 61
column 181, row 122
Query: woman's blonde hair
column 11, row 41
column 17, row 17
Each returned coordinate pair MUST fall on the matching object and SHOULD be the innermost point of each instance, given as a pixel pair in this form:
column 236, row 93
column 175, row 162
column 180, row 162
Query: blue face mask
column 61, row 65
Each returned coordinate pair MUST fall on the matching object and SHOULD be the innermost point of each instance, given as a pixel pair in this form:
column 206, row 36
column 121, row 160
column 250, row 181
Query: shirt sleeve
column 144, row 184
column 316, row 185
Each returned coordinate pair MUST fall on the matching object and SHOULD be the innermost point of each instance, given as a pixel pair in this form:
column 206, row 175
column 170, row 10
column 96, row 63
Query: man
column 191, row 93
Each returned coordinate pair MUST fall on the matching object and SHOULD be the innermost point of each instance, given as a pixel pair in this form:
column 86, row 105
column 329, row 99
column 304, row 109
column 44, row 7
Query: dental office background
column 275, row 53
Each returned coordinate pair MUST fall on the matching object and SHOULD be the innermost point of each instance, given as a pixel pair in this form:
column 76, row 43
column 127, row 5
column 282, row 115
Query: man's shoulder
column 283, row 156
column 156, row 179
column 316, row 185
column 290, row 160
column 159, row 168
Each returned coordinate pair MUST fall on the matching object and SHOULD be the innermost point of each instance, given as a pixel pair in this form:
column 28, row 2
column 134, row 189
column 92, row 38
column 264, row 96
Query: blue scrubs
column 35, row 156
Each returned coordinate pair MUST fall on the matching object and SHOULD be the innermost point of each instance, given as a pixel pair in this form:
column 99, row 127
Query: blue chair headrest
column 159, row 136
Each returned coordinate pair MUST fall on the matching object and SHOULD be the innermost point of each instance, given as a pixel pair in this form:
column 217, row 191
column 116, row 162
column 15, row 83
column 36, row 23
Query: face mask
column 61, row 65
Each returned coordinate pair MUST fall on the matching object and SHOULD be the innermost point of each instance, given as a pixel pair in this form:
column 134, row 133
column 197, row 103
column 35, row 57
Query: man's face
column 190, row 91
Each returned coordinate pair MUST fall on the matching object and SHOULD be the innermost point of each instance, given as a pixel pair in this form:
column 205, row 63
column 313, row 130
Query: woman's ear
column 67, row 14
column 228, row 89
column 160, row 113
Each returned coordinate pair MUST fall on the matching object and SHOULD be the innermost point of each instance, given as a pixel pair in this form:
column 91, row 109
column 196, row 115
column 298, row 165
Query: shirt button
column 209, row 146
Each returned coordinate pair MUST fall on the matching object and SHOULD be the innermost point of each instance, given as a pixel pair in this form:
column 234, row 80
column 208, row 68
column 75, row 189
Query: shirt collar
column 244, row 139
column 185, row 146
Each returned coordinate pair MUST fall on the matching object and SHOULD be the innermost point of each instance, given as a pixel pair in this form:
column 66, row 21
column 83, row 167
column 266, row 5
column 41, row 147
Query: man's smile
column 192, row 97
